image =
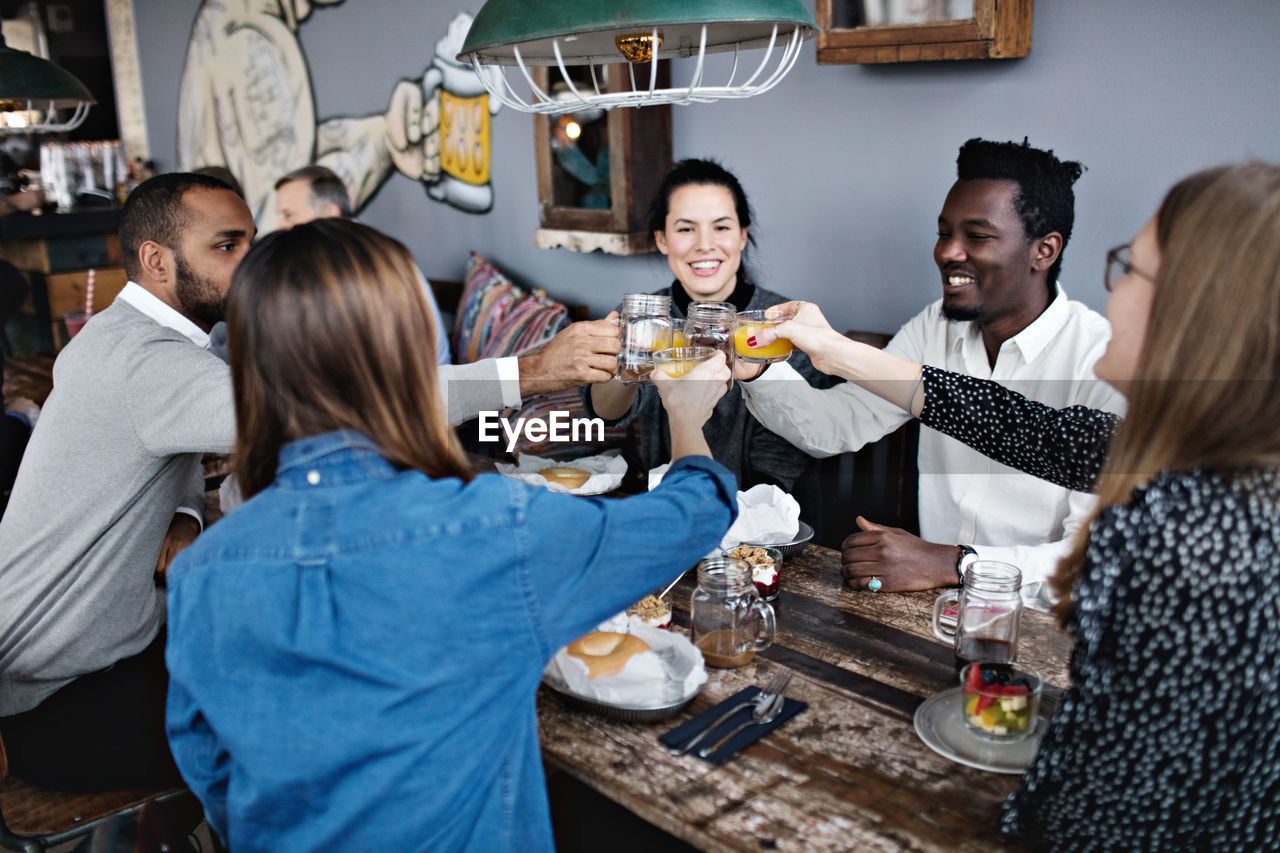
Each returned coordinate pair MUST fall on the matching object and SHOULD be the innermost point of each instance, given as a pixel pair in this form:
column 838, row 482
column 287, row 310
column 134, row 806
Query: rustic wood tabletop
column 849, row 773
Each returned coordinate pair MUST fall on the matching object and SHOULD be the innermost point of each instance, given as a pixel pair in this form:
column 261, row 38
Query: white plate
column 940, row 724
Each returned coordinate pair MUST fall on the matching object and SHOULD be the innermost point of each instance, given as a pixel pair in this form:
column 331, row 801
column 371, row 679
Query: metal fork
column 772, row 689
column 764, row 713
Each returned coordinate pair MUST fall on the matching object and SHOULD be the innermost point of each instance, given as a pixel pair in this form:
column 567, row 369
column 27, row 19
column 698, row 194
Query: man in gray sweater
column 111, row 488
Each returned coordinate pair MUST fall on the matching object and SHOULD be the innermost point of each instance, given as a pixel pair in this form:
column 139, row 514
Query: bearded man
column 1003, row 315
column 110, row 489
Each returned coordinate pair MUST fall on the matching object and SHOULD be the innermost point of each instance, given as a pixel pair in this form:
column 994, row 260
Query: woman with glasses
column 354, row 651
column 1169, row 735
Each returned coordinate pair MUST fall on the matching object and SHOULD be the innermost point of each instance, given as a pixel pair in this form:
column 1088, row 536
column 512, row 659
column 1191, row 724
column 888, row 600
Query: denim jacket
column 354, row 652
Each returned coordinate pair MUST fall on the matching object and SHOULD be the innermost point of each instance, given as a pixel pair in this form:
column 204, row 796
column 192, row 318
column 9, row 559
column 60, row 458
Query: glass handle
column 944, row 623
column 764, row 637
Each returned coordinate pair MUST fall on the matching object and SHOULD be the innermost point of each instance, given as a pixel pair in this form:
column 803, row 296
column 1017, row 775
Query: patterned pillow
column 497, row 318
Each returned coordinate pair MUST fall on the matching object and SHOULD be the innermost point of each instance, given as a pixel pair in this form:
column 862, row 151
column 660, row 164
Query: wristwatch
column 967, row 556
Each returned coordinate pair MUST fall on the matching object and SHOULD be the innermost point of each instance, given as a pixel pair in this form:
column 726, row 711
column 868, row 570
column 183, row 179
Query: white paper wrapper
column 668, row 674
column 607, row 471
column 656, row 475
column 229, row 494
column 766, row 514
column 619, row 623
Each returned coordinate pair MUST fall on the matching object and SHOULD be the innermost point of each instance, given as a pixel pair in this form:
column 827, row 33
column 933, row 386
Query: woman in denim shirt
column 354, row 652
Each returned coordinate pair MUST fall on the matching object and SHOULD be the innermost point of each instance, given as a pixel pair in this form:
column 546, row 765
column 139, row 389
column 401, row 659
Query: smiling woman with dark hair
column 354, row 652
column 702, row 223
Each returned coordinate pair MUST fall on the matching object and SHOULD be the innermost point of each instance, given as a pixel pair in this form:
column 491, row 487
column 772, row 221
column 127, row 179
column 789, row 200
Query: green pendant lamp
column 35, row 94
column 509, row 37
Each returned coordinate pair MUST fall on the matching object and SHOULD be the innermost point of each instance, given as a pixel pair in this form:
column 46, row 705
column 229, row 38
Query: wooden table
column 847, row 774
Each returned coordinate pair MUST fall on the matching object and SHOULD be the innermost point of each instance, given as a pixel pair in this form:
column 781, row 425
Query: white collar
column 155, row 308
column 1041, row 331
column 1038, row 334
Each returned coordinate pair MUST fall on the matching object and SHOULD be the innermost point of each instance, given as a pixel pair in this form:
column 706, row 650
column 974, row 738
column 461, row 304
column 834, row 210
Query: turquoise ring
column 874, row 585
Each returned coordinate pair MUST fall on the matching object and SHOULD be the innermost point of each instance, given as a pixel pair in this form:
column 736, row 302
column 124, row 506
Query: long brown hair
column 328, row 328
column 1207, row 394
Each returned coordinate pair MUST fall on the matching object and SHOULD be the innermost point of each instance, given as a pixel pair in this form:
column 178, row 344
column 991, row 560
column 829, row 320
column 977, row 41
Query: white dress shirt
column 965, row 498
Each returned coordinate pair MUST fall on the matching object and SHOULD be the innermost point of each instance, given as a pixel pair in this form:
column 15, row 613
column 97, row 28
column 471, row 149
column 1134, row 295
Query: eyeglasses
column 1118, row 264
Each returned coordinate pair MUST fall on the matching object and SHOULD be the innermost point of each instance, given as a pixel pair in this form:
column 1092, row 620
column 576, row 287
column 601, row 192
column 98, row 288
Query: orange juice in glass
column 745, row 327
column 677, row 361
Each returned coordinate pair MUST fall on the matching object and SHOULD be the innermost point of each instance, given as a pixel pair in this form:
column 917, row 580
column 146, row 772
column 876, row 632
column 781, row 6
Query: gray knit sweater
column 116, row 451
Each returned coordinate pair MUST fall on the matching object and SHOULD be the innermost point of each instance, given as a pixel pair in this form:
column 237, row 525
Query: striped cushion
column 497, row 318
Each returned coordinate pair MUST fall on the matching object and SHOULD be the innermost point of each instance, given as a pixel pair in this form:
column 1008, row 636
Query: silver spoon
column 765, row 712
column 772, row 689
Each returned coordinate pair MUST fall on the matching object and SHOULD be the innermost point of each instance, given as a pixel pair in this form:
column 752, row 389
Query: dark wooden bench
column 879, row 481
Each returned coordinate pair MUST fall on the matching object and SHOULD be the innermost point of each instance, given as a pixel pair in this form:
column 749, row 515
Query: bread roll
column 606, row 652
column 570, row 478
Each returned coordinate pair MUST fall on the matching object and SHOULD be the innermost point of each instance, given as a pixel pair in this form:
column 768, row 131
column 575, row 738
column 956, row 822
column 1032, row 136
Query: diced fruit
column 1013, row 703
column 996, row 703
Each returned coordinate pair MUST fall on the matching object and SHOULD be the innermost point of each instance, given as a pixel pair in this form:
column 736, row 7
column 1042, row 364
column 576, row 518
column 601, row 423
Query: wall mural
column 246, row 102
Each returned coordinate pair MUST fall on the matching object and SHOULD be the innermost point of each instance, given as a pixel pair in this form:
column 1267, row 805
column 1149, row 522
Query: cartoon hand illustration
column 431, row 82
column 404, row 129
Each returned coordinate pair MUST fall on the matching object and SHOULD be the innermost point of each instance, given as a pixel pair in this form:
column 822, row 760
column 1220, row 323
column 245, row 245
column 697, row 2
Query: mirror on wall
column 597, row 169
column 889, row 13
column 878, row 31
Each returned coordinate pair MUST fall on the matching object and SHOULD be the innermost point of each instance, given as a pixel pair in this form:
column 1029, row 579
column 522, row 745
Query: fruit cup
column 1000, row 700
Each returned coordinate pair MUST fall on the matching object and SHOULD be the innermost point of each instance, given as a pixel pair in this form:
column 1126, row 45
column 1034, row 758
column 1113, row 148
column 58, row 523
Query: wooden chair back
column 33, row 819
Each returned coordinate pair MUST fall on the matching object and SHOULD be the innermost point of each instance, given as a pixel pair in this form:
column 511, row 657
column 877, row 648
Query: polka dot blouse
column 1168, row 737
column 1063, row 446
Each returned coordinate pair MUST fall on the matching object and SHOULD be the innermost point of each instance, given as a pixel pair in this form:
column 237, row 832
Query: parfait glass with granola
column 766, row 567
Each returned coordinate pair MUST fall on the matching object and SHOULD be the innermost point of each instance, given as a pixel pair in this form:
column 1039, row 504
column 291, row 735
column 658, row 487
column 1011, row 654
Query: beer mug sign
column 457, row 103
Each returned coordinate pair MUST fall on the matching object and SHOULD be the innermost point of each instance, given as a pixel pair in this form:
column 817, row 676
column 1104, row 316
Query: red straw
column 88, row 297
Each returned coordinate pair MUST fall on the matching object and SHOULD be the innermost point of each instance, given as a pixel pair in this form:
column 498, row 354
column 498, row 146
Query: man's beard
column 198, row 296
column 961, row 313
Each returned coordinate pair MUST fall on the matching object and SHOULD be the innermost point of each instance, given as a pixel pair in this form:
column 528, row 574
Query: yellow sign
column 464, row 129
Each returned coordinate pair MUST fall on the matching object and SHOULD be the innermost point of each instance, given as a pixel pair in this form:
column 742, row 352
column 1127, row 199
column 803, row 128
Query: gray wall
column 846, row 166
